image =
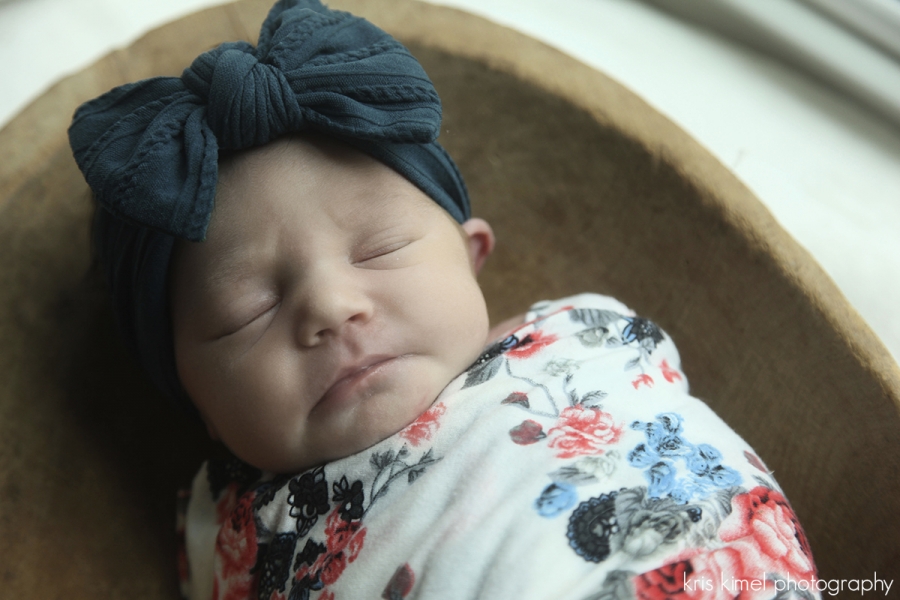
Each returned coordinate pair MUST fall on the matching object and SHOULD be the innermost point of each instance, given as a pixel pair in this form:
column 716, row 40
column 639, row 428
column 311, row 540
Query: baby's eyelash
column 235, row 329
column 383, row 250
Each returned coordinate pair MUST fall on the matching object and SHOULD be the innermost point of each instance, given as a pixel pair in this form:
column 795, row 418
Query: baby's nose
column 332, row 300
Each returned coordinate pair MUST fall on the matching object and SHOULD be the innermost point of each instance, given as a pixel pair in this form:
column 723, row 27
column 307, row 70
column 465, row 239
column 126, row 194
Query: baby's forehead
column 310, row 175
column 309, row 153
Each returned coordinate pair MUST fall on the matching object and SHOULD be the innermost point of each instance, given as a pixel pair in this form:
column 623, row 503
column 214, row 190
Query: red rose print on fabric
column 531, row 344
column 663, row 583
column 424, row 427
column 671, row 375
column 527, row 432
column 718, row 575
column 400, row 585
column 236, row 549
column 226, row 503
column 517, row 398
column 344, row 540
column 583, row 431
column 756, row 462
column 765, row 541
column 642, row 379
column 765, row 528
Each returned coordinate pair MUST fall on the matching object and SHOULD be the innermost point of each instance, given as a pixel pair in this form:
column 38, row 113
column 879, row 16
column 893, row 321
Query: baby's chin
column 385, row 409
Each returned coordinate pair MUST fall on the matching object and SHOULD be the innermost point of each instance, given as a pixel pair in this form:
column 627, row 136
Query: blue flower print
column 556, row 498
column 638, row 329
column 705, row 462
column 662, row 480
column 664, row 446
column 641, row 456
column 664, row 436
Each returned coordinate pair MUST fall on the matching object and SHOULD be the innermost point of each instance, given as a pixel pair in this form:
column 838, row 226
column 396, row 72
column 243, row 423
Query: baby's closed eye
column 242, row 316
column 381, row 252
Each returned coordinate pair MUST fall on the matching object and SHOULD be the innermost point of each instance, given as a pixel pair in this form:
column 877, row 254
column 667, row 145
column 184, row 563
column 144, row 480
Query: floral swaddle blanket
column 568, row 462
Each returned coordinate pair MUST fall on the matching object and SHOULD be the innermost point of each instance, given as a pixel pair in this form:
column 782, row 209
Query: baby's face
column 328, row 308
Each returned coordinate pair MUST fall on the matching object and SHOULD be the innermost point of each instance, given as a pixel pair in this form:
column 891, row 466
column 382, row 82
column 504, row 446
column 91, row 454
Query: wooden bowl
column 588, row 189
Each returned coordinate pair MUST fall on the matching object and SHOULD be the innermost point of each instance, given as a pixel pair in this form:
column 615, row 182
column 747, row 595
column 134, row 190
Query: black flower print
column 274, row 563
column 266, row 490
column 311, row 551
column 221, row 472
column 302, row 588
column 308, row 499
column 350, row 498
column 592, row 525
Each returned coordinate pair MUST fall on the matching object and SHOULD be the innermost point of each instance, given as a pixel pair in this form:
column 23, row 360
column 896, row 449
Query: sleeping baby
column 291, row 256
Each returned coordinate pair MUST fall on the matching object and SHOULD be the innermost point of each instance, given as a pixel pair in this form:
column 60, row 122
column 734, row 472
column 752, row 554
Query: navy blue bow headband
column 149, row 150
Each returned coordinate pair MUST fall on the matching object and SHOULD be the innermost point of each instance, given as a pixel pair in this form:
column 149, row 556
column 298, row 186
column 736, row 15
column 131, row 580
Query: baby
column 325, row 323
column 331, row 304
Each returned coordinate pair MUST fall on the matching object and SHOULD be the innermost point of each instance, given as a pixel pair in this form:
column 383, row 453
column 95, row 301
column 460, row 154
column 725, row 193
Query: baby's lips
column 352, row 373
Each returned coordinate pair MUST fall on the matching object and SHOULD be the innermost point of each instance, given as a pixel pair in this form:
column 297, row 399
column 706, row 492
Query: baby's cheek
column 251, row 394
column 465, row 322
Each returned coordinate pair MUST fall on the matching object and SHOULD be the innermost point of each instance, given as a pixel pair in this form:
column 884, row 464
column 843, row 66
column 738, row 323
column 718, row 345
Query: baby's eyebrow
column 391, row 200
column 229, row 269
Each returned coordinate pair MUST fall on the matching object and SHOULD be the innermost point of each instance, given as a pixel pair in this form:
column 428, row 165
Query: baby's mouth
column 352, row 377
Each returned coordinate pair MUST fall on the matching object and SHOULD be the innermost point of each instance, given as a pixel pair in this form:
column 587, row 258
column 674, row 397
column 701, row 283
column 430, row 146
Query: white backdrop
column 825, row 165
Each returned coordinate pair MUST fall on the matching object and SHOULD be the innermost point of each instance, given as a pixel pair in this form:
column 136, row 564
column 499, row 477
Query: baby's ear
column 480, row 238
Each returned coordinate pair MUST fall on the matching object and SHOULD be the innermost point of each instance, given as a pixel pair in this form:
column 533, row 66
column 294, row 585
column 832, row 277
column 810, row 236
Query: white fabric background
column 826, row 166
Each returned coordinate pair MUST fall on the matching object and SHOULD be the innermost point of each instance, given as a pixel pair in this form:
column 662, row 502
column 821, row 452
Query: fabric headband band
column 149, row 150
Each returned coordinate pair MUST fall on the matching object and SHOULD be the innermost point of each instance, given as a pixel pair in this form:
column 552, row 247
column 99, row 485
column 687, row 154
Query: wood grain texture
column 588, row 188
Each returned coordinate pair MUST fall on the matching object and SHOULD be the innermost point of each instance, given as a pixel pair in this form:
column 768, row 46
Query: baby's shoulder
column 597, row 322
column 585, row 301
